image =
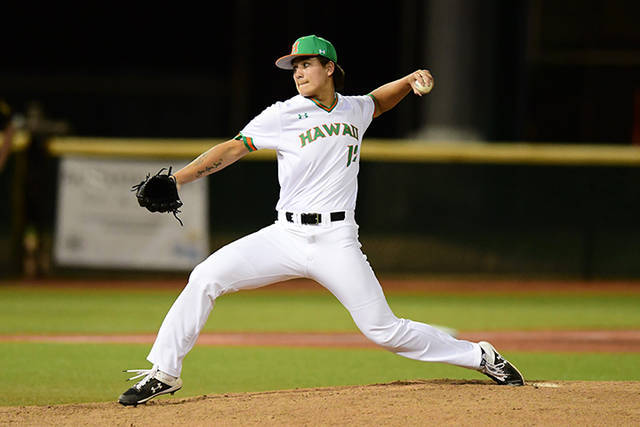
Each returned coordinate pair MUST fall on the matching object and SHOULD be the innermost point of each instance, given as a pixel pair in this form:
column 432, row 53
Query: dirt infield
column 433, row 402
column 590, row 341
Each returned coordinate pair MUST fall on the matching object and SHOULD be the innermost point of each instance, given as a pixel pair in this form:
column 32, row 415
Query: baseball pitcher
column 318, row 136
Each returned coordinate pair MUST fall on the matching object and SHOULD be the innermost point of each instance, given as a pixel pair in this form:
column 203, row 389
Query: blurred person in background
column 39, row 189
column 8, row 130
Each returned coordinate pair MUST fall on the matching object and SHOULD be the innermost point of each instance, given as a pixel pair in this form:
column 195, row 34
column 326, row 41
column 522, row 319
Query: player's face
column 310, row 76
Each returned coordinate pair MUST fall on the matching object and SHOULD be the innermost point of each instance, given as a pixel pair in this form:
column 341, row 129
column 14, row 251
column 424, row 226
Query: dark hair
column 338, row 73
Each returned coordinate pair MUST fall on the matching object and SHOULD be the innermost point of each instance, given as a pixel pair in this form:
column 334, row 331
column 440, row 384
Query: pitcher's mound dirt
column 432, row 402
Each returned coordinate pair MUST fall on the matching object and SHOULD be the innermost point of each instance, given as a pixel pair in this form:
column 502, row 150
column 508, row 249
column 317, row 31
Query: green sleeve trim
column 248, row 142
column 375, row 104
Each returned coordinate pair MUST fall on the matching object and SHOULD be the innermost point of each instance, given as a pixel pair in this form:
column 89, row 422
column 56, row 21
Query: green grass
column 44, row 374
column 51, row 373
column 39, row 310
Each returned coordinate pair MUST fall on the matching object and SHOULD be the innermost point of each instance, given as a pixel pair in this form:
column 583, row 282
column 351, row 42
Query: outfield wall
column 526, row 210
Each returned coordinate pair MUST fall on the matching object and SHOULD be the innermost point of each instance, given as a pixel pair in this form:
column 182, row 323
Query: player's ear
column 331, row 68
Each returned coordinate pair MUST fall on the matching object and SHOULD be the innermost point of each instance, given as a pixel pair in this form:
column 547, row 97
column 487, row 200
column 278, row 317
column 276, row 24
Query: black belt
column 315, row 218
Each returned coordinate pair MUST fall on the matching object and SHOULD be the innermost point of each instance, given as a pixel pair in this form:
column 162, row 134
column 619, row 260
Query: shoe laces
column 496, row 369
column 146, row 373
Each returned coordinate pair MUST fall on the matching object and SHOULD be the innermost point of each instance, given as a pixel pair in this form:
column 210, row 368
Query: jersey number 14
column 352, row 155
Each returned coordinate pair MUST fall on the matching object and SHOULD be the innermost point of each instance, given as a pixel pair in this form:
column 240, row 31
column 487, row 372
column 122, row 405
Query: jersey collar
column 326, row 108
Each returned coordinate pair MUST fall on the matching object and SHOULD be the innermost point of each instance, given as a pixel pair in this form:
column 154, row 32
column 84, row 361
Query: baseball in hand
column 422, row 88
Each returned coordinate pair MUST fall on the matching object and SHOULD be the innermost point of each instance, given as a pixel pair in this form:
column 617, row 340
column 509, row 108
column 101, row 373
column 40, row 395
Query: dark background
column 539, row 71
column 545, row 70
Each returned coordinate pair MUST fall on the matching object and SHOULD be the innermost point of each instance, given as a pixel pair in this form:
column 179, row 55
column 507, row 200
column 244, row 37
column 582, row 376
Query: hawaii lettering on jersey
column 325, row 130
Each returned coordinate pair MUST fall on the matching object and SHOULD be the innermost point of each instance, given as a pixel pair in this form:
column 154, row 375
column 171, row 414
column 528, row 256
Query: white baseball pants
column 328, row 253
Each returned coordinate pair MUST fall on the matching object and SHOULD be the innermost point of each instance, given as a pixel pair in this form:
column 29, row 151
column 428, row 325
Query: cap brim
column 286, row 62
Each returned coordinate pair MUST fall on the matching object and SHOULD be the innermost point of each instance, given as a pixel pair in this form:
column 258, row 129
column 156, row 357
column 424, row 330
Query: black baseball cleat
column 497, row 367
column 153, row 384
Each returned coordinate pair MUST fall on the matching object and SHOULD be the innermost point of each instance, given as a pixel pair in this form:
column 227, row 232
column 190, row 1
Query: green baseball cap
column 305, row 46
column 313, row 45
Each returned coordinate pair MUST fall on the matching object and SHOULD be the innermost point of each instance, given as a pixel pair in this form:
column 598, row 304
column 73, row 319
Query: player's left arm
column 389, row 95
column 213, row 160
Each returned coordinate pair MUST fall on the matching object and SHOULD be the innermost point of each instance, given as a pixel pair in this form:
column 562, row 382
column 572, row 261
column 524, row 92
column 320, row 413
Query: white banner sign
column 100, row 224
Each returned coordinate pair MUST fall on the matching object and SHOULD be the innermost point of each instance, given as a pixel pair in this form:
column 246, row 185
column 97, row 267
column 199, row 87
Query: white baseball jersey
column 317, row 147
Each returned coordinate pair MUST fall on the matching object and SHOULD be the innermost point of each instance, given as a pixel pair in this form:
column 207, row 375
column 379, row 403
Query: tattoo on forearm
column 207, row 169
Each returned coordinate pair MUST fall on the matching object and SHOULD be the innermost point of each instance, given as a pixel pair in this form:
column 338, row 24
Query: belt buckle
column 312, row 218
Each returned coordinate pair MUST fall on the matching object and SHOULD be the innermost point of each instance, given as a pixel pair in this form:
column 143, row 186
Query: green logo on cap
column 314, row 45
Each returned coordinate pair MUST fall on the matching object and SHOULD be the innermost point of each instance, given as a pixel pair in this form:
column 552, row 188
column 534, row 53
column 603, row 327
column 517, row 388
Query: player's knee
column 388, row 336
column 208, row 280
